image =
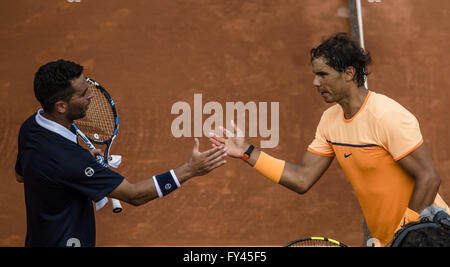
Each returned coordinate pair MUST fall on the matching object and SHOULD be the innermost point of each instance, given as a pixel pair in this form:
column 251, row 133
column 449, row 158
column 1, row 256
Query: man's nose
column 316, row 82
column 90, row 94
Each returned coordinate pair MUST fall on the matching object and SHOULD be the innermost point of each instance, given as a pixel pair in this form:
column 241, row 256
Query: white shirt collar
column 55, row 127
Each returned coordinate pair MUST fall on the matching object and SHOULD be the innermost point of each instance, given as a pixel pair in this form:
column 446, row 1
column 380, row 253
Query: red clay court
column 151, row 54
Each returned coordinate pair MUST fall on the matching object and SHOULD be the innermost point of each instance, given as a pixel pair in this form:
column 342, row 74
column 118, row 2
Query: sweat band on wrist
column 166, row 182
column 270, row 167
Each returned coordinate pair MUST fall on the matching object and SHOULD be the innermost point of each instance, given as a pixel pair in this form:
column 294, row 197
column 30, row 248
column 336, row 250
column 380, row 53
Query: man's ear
column 60, row 106
column 349, row 74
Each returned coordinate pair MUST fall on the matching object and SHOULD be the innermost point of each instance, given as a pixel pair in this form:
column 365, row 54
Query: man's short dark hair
column 340, row 51
column 52, row 82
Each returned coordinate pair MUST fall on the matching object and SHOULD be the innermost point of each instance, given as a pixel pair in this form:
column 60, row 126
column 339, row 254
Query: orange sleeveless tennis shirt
column 367, row 147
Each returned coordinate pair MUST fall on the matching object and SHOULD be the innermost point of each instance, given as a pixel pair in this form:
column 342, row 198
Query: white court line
column 361, row 32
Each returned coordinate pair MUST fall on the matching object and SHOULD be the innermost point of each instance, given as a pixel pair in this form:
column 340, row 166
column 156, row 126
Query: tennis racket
column 315, row 242
column 100, row 126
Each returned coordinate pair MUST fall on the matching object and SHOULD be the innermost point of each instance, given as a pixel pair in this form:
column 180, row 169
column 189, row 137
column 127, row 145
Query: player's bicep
column 301, row 178
column 418, row 163
column 314, row 165
column 420, row 167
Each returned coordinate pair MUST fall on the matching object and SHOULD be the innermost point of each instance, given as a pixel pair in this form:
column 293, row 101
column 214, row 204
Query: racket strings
column 313, row 243
column 99, row 122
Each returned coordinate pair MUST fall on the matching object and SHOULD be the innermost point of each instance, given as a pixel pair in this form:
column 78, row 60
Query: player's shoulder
column 30, row 130
column 332, row 112
column 29, row 123
column 45, row 140
column 382, row 106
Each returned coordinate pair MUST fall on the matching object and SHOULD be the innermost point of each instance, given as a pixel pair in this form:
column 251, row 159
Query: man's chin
column 78, row 116
column 328, row 99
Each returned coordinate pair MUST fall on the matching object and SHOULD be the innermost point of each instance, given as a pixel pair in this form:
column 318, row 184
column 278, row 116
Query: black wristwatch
column 247, row 153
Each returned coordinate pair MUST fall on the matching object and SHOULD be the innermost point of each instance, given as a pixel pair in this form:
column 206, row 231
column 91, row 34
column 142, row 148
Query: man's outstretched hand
column 202, row 163
column 235, row 145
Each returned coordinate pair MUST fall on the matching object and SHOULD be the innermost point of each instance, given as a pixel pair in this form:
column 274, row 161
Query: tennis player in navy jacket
column 61, row 178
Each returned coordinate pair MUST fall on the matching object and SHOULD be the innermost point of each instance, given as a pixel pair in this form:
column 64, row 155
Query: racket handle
column 115, row 203
column 100, row 160
column 116, row 206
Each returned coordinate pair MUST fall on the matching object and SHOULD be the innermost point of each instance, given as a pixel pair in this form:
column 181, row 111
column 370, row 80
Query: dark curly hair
column 52, row 82
column 340, row 51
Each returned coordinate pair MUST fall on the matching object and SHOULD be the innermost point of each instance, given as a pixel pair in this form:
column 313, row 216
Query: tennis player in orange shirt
column 376, row 141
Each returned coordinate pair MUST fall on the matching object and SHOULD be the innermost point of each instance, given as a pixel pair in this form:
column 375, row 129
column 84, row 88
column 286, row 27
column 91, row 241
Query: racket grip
column 116, row 206
column 100, row 160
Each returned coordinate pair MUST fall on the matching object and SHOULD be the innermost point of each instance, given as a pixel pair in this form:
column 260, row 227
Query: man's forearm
column 147, row 189
column 298, row 178
column 144, row 192
column 288, row 177
column 183, row 173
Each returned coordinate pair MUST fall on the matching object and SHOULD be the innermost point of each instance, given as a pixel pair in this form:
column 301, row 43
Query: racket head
column 315, row 242
column 101, row 123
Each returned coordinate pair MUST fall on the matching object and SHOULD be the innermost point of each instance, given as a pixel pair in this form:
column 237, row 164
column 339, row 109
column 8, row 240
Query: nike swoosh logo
column 346, row 156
